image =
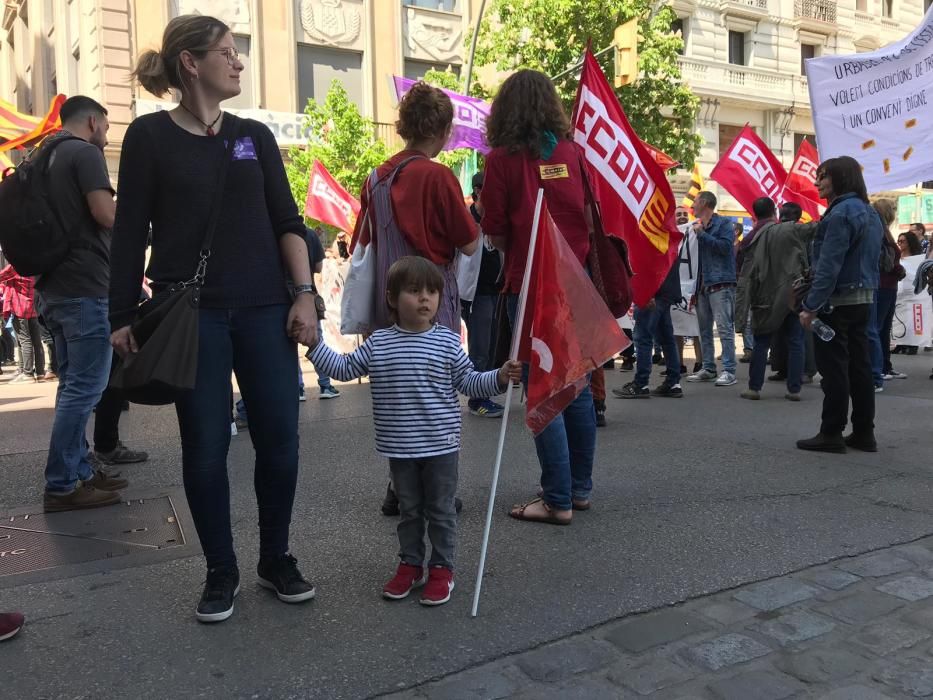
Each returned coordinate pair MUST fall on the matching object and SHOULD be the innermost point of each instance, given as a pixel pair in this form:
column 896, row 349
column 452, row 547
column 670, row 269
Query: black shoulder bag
column 166, row 332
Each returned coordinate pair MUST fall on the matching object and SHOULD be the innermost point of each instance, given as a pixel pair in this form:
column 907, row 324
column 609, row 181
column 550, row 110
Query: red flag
column 568, row 329
column 799, row 186
column 749, row 170
column 635, row 198
column 328, row 202
column 660, row 157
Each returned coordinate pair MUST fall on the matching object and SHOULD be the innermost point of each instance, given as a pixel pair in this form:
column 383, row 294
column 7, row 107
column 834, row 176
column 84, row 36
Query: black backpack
column 32, row 234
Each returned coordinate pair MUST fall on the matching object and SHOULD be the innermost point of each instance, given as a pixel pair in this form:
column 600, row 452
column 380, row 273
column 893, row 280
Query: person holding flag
column 527, row 129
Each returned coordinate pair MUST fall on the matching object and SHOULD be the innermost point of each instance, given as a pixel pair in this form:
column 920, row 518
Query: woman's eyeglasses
column 230, row 52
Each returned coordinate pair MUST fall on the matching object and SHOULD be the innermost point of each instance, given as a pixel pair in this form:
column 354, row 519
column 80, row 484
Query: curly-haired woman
column 414, row 206
column 528, row 131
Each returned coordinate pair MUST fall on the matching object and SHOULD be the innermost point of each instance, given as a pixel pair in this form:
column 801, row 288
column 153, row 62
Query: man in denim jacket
column 845, row 276
column 715, row 297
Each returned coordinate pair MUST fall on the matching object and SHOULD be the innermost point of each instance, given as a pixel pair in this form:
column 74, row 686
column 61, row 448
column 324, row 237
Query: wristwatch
column 304, row 289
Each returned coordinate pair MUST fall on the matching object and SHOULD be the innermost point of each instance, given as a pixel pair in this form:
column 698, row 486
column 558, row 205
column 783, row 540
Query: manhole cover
column 133, row 530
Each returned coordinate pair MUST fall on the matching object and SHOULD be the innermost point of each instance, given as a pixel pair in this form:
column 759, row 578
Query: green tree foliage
column 550, row 36
column 342, row 139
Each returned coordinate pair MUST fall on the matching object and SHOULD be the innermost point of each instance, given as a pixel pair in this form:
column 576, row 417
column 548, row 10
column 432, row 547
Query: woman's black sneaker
column 281, row 574
column 671, row 391
column 221, row 587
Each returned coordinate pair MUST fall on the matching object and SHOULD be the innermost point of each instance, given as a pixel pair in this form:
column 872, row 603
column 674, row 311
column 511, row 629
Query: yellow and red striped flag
column 19, row 130
column 696, row 186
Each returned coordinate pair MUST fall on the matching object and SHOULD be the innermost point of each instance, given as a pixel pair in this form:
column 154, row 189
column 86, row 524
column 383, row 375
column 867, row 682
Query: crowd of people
column 808, row 297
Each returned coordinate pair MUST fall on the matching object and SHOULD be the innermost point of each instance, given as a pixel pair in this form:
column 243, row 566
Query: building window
column 737, row 48
column 861, row 5
column 679, row 26
column 799, row 138
column 887, row 8
column 444, row 5
column 727, row 134
column 415, row 70
column 245, row 99
column 806, row 51
column 318, row 67
column 926, row 5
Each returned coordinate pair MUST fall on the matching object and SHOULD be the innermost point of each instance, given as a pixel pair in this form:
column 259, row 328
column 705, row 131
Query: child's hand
column 510, row 371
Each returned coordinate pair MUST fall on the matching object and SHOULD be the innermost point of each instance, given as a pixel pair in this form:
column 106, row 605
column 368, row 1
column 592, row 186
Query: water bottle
column 822, row 331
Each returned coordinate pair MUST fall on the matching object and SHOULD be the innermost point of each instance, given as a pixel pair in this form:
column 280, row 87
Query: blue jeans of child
column 650, row 325
column 566, row 447
column 81, row 333
column 718, row 306
column 252, row 342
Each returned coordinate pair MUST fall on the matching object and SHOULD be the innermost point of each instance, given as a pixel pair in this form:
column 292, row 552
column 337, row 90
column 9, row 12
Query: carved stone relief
column 434, row 36
column 235, row 13
column 333, row 22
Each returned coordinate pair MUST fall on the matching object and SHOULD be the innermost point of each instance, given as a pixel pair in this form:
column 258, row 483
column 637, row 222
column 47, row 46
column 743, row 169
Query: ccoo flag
column 799, row 186
column 749, row 170
column 569, row 331
column 328, row 202
column 635, row 199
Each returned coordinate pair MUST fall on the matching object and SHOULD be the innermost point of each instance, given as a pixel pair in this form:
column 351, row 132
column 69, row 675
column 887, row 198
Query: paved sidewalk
column 860, row 628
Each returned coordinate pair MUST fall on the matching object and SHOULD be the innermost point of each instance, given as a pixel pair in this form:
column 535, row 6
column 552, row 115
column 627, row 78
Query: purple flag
column 470, row 114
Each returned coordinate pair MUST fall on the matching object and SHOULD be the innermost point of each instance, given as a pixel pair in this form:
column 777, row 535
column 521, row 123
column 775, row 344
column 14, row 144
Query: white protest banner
column 683, row 317
column 913, row 313
column 877, row 107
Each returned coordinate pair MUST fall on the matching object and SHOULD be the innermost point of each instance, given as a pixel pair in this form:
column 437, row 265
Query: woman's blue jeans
column 253, row 343
column 566, row 447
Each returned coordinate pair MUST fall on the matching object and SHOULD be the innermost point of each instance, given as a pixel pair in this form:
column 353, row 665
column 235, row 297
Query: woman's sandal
column 519, row 512
column 584, row 503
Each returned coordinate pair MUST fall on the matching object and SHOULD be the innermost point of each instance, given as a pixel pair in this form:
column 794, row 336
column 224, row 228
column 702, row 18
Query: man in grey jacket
column 776, row 256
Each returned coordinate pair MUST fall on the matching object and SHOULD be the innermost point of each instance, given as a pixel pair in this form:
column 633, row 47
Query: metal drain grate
column 32, row 542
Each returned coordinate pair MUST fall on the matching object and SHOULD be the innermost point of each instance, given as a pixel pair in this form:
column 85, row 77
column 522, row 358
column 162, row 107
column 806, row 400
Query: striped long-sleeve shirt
column 414, row 380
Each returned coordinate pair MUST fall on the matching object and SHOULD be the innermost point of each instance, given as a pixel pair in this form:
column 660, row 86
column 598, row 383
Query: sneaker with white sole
column 439, row 587
column 221, row 587
column 407, row 578
column 281, row 575
column 894, row 374
column 329, row 392
column 726, row 379
column 704, row 375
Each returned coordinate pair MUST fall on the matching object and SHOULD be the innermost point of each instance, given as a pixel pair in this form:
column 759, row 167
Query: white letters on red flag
column 749, row 170
column 635, row 198
column 328, row 202
column 800, row 187
column 569, row 331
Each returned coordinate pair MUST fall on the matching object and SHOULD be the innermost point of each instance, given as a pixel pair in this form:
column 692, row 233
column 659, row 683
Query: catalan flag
column 696, row 186
column 19, row 130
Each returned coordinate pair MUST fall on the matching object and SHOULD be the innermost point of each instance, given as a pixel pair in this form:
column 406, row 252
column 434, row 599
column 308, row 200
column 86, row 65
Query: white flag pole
column 513, row 354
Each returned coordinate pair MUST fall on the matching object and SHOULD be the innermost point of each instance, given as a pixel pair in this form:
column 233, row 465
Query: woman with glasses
column 844, row 269
column 249, row 322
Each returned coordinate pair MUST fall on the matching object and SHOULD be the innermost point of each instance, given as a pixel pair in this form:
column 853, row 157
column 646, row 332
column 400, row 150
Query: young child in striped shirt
column 415, row 369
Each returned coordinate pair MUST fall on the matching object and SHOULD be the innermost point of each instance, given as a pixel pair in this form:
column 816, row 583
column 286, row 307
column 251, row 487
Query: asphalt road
column 692, row 496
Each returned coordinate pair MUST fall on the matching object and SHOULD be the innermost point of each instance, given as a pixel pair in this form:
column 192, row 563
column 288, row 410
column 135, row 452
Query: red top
column 18, row 294
column 428, row 206
column 510, row 189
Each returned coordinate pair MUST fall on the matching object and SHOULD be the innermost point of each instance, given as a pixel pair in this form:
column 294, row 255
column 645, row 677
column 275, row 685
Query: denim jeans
column 566, row 446
column 251, row 342
column 792, row 333
column 887, row 300
column 426, row 488
column 651, row 324
column 719, row 307
column 748, row 336
column 874, row 340
column 81, row 332
column 29, row 337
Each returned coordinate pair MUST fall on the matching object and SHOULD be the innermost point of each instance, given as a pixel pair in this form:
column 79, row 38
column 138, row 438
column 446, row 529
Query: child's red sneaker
column 406, row 578
column 440, row 585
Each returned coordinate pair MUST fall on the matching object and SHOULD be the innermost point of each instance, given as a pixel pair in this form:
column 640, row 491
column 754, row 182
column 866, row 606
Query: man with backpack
column 73, row 300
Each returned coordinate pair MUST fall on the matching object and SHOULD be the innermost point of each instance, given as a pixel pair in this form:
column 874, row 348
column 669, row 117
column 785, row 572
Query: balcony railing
column 754, row 4
column 819, row 10
column 754, row 84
